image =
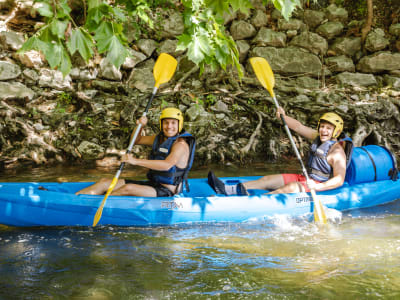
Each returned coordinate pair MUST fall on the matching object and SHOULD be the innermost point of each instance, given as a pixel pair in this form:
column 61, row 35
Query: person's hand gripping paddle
column 163, row 71
column 266, row 77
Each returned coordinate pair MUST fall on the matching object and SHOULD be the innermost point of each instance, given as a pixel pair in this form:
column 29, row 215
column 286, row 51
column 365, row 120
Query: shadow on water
column 356, row 257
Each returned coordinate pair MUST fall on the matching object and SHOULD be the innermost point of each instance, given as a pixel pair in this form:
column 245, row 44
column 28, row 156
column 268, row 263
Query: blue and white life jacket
column 160, row 151
column 318, row 167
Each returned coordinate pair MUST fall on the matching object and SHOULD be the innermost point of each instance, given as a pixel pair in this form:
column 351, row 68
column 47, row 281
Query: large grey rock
column 109, row 71
column 356, row 79
column 395, row 29
column 269, row 37
column 54, row 79
column 9, row 70
column 142, row 79
column 147, row 46
column 379, row 62
column 169, row 46
column 83, row 74
column 347, row 46
column 90, row 150
column 340, row 64
column 31, row 59
column 313, row 18
column 196, row 113
column 241, row 30
column 172, row 25
column 310, row 41
column 376, row 40
column 243, row 48
column 335, row 13
column 259, row 19
column 134, row 58
column 11, row 40
column 15, row 90
column 290, row 60
column 392, row 81
column 330, row 29
column 291, row 24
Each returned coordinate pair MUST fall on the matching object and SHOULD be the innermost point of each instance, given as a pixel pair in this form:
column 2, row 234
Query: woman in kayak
column 169, row 163
column 327, row 161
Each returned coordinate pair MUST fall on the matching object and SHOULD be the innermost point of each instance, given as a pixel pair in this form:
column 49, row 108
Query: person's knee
column 105, row 181
column 293, row 187
column 126, row 189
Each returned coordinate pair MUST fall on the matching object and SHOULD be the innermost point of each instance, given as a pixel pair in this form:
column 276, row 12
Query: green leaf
column 31, row 44
column 103, row 35
column 242, row 5
column 222, row 55
column 65, row 64
column 63, row 9
column 93, row 4
column 95, row 15
column 183, row 42
column 119, row 14
column 218, row 6
column 286, row 7
column 82, row 42
column 45, row 9
column 117, row 52
column 54, row 54
column 204, row 43
column 46, row 35
column 58, row 28
column 195, row 52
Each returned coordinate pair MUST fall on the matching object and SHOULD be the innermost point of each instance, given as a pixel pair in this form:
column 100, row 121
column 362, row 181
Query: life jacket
column 159, row 151
column 318, row 167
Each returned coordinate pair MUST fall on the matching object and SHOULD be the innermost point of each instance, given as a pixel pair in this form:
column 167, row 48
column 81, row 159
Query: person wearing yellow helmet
column 169, row 163
column 329, row 157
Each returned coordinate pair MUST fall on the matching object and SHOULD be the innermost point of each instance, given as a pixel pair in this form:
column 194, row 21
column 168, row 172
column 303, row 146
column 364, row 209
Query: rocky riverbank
column 318, row 57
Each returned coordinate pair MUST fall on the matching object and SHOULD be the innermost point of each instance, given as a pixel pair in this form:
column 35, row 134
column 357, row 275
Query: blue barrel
column 370, row 163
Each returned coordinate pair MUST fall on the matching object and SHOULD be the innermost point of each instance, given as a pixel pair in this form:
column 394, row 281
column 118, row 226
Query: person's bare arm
column 179, row 150
column 337, row 159
column 298, row 127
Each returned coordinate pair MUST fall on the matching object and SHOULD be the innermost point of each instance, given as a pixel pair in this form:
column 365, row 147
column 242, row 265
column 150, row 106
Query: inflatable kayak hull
column 55, row 204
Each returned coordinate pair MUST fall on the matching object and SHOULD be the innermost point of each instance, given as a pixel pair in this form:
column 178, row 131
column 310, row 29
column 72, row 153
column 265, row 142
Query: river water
column 355, row 257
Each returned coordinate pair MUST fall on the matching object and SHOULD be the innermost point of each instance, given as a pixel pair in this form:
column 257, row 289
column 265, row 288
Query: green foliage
column 64, row 99
column 286, row 7
column 211, row 99
column 88, row 121
column 97, row 27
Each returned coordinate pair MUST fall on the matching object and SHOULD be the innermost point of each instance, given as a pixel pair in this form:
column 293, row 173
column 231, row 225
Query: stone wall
column 319, row 61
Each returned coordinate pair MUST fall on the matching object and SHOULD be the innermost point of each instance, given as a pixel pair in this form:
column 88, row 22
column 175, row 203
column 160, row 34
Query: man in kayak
column 169, row 163
column 329, row 156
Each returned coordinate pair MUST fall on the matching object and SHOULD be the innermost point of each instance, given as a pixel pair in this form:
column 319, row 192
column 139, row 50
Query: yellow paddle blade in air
column 164, row 69
column 100, row 209
column 264, row 73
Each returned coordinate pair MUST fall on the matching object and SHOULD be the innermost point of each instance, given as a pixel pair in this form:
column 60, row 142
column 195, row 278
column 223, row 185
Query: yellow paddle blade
column 164, row 68
column 319, row 213
column 99, row 211
column 264, row 73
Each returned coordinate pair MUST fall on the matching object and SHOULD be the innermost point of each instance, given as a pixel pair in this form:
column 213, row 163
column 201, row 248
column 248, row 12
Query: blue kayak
column 55, row 204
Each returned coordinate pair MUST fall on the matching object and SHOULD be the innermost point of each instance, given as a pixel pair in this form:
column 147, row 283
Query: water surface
column 355, row 257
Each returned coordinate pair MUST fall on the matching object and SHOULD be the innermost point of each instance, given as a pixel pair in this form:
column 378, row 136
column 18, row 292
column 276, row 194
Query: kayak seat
column 199, row 188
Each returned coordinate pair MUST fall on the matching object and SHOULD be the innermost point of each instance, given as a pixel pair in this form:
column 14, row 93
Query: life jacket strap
column 319, row 173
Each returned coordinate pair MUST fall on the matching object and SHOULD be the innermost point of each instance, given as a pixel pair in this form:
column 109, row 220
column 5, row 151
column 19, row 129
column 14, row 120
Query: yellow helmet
column 172, row 113
column 335, row 120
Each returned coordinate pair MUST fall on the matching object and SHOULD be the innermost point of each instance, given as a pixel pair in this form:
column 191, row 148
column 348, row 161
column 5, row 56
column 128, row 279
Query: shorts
column 161, row 190
column 297, row 178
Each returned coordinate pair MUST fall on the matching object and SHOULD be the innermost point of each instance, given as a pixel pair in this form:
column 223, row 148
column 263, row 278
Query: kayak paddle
column 266, row 77
column 163, row 70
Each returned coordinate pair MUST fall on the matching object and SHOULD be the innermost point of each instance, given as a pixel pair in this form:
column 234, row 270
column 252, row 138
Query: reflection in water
column 356, row 257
